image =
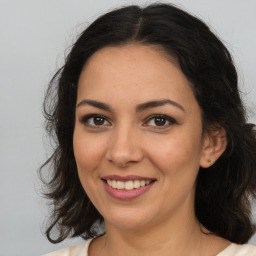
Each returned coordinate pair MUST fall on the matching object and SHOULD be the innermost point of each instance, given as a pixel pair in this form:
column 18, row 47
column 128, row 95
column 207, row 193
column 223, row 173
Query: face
column 138, row 140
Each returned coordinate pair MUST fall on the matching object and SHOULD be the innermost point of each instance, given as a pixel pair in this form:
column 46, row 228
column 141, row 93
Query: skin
column 130, row 142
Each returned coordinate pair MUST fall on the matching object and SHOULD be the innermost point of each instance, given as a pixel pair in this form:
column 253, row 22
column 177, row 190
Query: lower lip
column 122, row 194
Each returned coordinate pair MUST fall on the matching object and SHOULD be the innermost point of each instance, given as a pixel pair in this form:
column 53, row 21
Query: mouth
column 128, row 187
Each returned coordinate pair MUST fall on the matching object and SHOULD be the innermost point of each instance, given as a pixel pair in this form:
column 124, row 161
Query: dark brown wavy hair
column 224, row 191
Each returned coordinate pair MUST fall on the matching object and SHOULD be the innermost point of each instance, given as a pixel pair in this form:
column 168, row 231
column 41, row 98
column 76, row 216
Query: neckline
column 227, row 249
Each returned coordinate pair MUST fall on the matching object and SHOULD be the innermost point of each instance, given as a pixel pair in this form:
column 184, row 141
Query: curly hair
column 224, row 191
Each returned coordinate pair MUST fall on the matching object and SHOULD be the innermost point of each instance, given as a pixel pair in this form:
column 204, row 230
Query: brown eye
column 98, row 120
column 95, row 121
column 160, row 121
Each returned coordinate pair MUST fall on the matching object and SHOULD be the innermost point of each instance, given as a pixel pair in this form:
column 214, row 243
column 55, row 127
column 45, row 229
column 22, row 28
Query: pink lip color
column 126, row 178
column 122, row 194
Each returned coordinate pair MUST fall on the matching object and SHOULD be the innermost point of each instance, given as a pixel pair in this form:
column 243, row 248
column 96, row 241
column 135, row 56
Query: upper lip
column 126, row 178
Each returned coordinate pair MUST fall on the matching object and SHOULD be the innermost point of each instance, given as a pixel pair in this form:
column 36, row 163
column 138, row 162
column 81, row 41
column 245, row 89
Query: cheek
column 175, row 153
column 88, row 150
column 178, row 161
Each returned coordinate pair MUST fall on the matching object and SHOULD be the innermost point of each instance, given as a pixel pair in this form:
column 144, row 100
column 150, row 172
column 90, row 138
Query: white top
column 231, row 250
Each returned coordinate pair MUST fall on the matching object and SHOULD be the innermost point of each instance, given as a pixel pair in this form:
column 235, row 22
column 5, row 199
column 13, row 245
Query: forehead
column 134, row 71
column 133, row 54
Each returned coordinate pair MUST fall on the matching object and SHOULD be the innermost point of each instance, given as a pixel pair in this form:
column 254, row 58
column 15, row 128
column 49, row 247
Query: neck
column 172, row 237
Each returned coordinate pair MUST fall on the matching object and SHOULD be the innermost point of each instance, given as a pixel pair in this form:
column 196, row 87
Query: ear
column 214, row 144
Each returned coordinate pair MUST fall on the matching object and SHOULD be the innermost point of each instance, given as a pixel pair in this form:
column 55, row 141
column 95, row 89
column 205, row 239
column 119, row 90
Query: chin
column 128, row 220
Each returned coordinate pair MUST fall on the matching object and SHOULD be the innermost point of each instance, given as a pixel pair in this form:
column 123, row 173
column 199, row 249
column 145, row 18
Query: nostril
column 124, row 152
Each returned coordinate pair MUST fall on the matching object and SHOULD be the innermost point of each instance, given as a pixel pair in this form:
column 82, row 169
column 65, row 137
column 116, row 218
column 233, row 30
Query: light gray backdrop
column 34, row 36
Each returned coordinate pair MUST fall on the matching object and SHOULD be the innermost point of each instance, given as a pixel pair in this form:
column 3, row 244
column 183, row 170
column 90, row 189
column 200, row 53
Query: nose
column 124, row 147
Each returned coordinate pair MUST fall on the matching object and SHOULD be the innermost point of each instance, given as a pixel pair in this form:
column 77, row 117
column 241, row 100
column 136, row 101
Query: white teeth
column 113, row 185
column 136, row 183
column 128, row 185
column 120, row 184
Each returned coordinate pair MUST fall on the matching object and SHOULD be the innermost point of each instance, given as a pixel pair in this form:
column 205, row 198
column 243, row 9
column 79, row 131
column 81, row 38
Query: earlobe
column 214, row 145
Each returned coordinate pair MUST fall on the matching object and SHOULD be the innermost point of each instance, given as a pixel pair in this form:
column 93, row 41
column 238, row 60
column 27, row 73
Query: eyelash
column 166, row 118
column 85, row 120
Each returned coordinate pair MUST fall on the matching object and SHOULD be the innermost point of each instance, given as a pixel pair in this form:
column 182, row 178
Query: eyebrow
column 139, row 108
column 158, row 103
column 96, row 104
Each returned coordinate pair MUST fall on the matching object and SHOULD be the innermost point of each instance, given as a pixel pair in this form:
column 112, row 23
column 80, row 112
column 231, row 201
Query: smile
column 126, row 188
column 128, row 185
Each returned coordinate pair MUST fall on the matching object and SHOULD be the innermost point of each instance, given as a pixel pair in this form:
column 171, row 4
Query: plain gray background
column 34, row 36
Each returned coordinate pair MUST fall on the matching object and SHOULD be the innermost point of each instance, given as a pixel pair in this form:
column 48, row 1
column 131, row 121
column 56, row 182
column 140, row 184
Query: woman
column 152, row 140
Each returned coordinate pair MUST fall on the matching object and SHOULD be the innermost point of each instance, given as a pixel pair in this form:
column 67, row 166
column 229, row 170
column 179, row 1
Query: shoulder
column 75, row 250
column 239, row 250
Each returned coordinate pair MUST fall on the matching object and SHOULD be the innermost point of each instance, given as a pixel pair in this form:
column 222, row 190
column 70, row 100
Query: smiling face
column 138, row 140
